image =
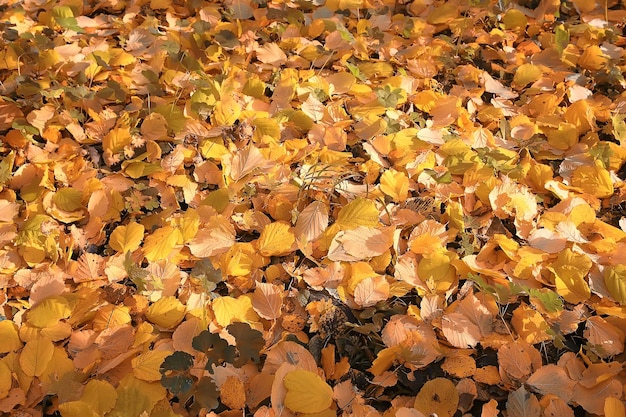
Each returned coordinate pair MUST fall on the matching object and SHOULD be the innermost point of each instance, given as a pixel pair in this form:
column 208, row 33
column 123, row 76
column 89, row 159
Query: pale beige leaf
column 460, row 331
column 267, row 300
column 370, row 291
column 210, row 242
column 271, row 54
column 606, row 339
column 312, row 221
column 552, row 379
column 367, row 242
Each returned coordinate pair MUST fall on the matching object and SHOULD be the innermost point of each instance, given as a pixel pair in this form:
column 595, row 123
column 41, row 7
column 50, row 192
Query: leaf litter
column 408, row 208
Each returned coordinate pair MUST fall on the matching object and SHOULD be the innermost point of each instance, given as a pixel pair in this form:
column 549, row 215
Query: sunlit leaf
column 307, row 392
column 276, row 239
column 159, row 244
column 360, row 212
column 36, row 356
column 100, row 395
column 127, row 238
column 438, row 396
column 166, row 312
column 146, row 366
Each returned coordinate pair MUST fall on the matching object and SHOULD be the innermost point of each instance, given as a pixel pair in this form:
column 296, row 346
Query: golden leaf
column 593, row 180
column 160, row 244
column 126, row 238
column 6, row 380
column 360, row 212
column 228, row 310
column 276, row 239
column 438, row 396
column 146, row 366
column 167, row 312
column 9, row 336
column 49, row 311
column 36, row 356
column 100, row 395
column 570, row 270
column 307, row 392
column 395, row 184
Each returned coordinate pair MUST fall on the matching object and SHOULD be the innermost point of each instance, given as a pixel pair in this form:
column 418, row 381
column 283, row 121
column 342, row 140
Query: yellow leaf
column 235, row 262
column 48, row 312
column 111, row 316
column 77, row 409
column 6, row 380
column 307, row 392
column 100, row 395
column 385, row 359
column 159, row 245
column 526, row 74
column 146, row 366
column 167, row 312
column 189, row 224
column 351, row 4
column 615, row 281
column 360, row 212
column 514, row 19
column 564, row 137
column 126, row 238
column 228, row 310
column 593, row 180
column 276, row 239
column 136, row 398
column 59, row 365
column 9, row 336
column 570, row 270
column 68, row 199
column 581, row 115
column 436, row 271
column 443, row 14
column 36, row 355
column 395, row 184
column 593, row 58
column 116, row 140
column 438, row 396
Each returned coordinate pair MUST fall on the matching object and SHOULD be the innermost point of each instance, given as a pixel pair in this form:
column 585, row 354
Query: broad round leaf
column 438, row 396
column 307, row 392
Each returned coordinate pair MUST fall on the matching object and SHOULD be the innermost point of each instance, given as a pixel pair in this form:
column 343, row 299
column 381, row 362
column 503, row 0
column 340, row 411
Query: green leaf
column 6, row 167
column 549, row 299
column 64, row 16
column 135, row 272
column 561, row 38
